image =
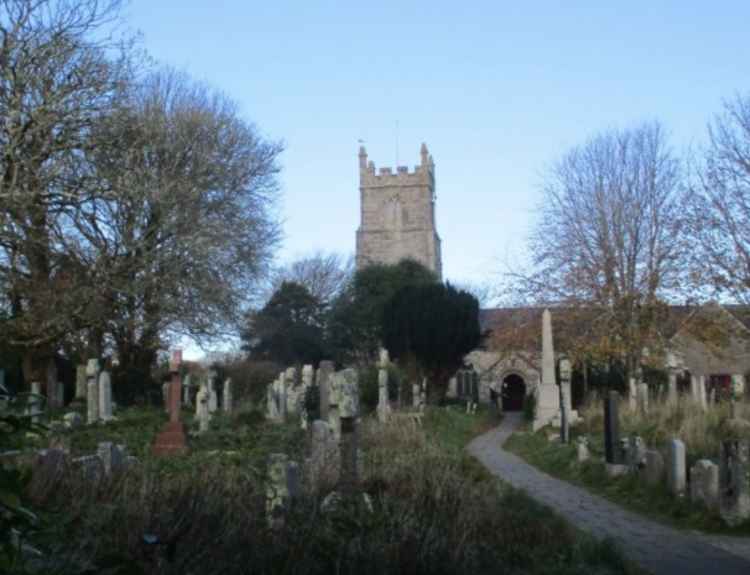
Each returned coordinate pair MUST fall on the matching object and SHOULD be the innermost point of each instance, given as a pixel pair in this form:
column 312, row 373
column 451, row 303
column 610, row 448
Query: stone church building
column 397, row 221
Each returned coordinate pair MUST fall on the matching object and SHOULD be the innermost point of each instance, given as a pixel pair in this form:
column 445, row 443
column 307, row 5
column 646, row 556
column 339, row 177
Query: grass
column 435, row 509
column 629, row 491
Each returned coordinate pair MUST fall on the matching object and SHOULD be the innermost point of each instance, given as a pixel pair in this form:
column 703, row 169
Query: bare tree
column 720, row 205
column 323, row 274
column 56, row 82
column 610, row 237
column 189, row 228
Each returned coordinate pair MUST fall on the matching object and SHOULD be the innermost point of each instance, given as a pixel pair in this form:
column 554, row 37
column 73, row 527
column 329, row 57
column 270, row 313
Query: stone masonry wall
column 398, row 214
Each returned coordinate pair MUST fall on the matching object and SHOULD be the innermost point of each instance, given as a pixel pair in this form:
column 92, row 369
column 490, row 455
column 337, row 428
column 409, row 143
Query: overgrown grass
column 701, row 431
column 434, row 510
column 629, row 491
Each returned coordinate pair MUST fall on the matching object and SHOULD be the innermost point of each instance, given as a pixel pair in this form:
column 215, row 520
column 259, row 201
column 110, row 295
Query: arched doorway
column 514, row 390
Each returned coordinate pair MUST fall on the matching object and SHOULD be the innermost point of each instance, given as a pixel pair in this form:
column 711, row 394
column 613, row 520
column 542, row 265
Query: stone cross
column 105, row 396
column 80, row 381
column 172, row 439
column 92, row 391
column 612, row 429
column 226, row 397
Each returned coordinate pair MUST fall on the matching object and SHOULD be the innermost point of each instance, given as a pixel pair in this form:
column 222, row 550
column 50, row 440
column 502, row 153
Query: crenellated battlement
column 385, row 176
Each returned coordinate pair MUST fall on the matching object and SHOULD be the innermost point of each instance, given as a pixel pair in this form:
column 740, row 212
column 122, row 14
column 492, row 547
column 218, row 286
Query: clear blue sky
column 497, row 90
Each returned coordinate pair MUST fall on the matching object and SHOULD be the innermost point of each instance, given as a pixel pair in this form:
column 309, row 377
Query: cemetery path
column 658, row 548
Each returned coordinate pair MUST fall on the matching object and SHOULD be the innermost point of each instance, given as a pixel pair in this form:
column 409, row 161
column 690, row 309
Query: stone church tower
column 398, row 214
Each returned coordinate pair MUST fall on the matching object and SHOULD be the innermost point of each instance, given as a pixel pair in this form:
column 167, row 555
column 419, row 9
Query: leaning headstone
column 80, row 382
column 105, row 396
column 226, row 397
column 92, row 391
column 654, row 467
column 676, row 467
column 704, row 483
column 734, row 482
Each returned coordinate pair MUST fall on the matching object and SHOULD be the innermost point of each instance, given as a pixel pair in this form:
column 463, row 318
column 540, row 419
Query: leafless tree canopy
column 323, row 274
column 610, row 232
column 720, row 205
column 133, row 204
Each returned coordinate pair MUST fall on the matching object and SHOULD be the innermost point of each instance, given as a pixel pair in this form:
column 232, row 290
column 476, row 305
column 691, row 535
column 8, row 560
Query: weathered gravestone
column 642, row 396
column 226, row 396
column 734, row 478
column 349, row 411
column 612, row 428
column 704, row 483
column 636, row 454
column 283, row 487
column 325, row 369
column 92, row 391
column 654, row 467
column 105, row 396
column 202, row 413
column 676, row 467
column 383, row 404
column 582, row 449
column 80, row 382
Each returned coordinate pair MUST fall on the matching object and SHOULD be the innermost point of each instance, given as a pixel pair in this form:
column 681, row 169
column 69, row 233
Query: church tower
column 397, row 214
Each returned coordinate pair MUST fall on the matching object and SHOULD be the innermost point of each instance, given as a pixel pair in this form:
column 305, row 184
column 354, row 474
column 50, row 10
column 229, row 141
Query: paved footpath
column 655, row 547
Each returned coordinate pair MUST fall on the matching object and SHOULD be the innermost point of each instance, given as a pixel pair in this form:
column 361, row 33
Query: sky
column 497, row 90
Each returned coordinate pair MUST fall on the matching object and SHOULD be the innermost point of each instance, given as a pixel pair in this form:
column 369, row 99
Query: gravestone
column 654, row 467
column 80, row 381
column 323, row 455
column 92, row 391
column 642, row 392
column 226, row 396
column 201, row 409
column 349, row 411
column 35, row 402
column 105, row 396
column 636, row 453
column 283, row 487
column 308, row 378
column 676, row 467
column 186, row 386
column 272, row 401
column 111, row 455
column 704, row 483
column 632, row 393
column 612, row 428
column 325, row 369
column 53, row 386
column 416, row 395
column 172, row 439
column 582, row 450
column 734, row 482
column 383, row 404
column 213, row 398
